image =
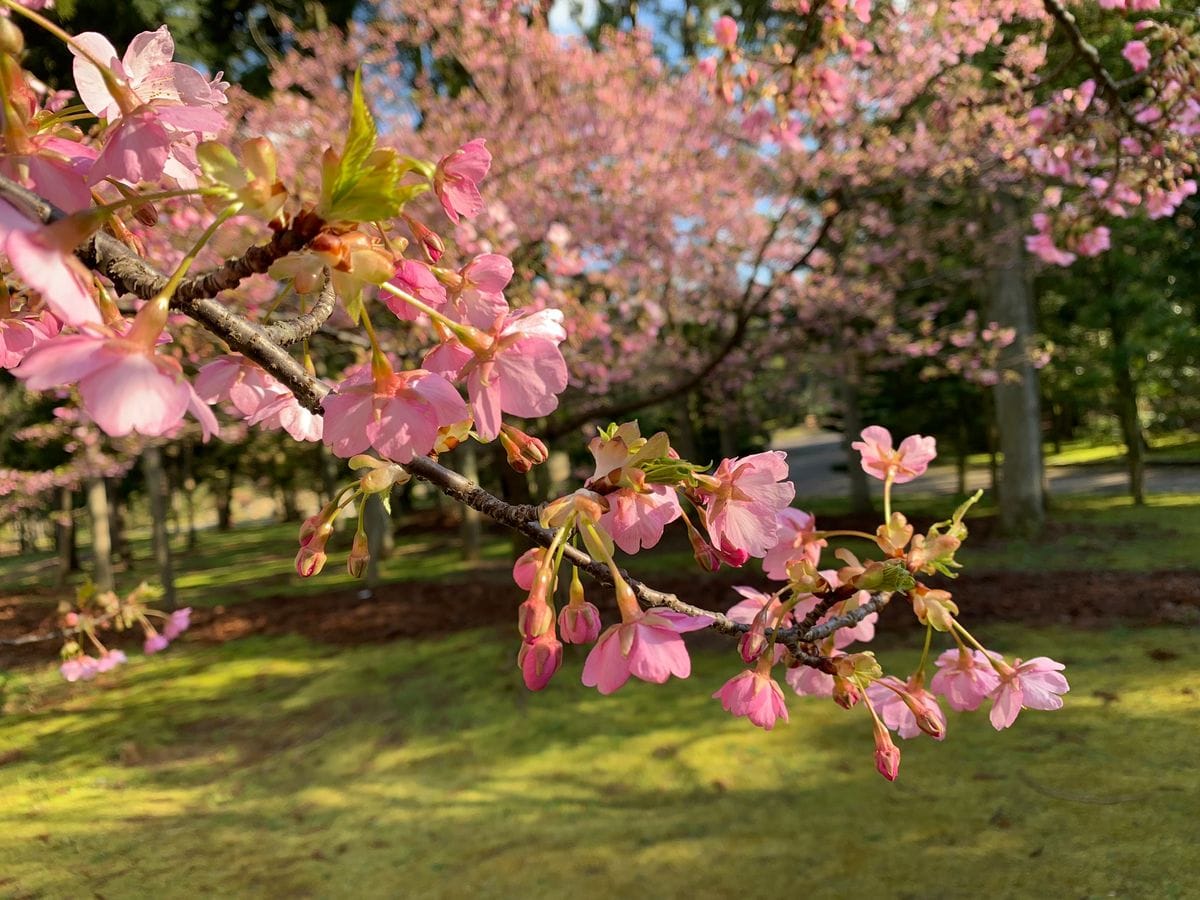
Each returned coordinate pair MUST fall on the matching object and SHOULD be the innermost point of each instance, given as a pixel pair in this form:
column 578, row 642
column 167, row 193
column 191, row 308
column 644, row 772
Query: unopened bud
column 845, row 692
column 539, row 660
column 310, row 561
column 534, row 617
column 579, row 623
column 429, row 240
column 524, row 451
column 887, row 754
column 702, row 550
column 360, row 555
column 753, row 643
column 383, row 479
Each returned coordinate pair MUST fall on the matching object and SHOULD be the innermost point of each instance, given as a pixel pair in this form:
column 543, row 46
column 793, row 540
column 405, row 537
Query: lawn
column 275, row 767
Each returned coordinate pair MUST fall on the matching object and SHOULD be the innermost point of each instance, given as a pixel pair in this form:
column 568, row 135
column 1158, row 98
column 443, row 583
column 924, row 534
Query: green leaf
column 360, row 143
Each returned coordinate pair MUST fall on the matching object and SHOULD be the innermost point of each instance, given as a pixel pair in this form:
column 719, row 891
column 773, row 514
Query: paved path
column 814, row 458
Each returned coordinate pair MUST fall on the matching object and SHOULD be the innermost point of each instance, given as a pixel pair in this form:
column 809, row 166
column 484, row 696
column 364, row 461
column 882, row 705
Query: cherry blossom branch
column 294, row 330
column 1085, row 48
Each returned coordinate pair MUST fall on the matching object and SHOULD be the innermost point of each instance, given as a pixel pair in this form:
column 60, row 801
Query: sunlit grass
column 273, row 767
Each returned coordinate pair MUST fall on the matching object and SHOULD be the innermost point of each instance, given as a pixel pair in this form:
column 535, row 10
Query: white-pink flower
column 911, row 460
column 636, row 520
column 521, row 371
column 795, row 543
column 398, row 414
column 1137, row 54
column 456, row 179
column 744, row 499
column 20, row 334
column 648, row 646
column 755, row 695
column 43, row 259
column 889, row 693
column 125, row 385
column 1036, row 684
column 964, row 678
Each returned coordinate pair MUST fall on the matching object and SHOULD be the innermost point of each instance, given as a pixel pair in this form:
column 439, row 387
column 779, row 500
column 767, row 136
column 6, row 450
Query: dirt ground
column 411, row 609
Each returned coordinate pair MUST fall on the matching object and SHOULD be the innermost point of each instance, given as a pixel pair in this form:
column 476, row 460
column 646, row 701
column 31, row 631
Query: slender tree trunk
column 1127, row 412
column 223, row 494
column 97, row 501
column 378, row 525
column 156, row 494
column 64, row 536
column 1018, row 413
column 860, row 489
column 188, row 480
column 472, row 526
column 116, row 524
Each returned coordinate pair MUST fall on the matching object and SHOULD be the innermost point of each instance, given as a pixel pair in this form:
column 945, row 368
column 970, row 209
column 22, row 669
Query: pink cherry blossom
column 521, row 371
column 964, row 678
column 177, row 623
column 795, row 543
column 155, row 643
column 744, row 504
column 44, row 261
column 755, row 695
column 910, row 461
column 414, row 278
column 125, row 386
column 809, row 682
column 887, row 696
column 285, row 412
column 480, row 301
column 647, row 646
column 1036, row 684
column 398, row 414
column 238, row 380
column 54, row 168
column 636, row 520
column 725, row 32
column 1138, row 55
column 110, row 659
column 20, row 334
column 456, row 179
column 1094, row 242
column 746, row 610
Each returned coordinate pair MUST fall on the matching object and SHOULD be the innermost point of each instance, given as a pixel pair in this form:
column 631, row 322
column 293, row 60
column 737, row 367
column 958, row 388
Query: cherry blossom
column 965, row 678
column 43, row 258
column 901, row 465
column 1036, row 684
column 456, row 179
column 647, row 645
column 755, row 695
column 907, row 708
column 744, row 498
column 795, row 543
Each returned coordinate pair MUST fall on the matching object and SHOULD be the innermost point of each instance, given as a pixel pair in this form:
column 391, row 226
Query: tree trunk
column 64, row 537
column 223, row 494
column 189, row 489
column 156, row 494
column 1018, row 413
column 378, row 525
column 860, row 488
column 97, row 501
column 1127, row 412
column 472, row 526
column 116, row 524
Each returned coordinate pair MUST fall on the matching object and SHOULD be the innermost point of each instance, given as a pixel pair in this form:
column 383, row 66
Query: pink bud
column 524, row 451
column 845, row 692
column 579, row 623
column 309, row 562
column 753, row 643
column 360, row 555
column 887, row 754
column 539, row 659
column 534, row 618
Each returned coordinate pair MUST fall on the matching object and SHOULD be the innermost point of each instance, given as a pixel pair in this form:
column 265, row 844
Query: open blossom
column 20, row 334
column 43, row 258
column 636, row 520
column 1137, row 54
column 125, row 385
column 888, row 694
column 54, row 168
column 744, row 503
column 795, row 543
column 398, row 414
column 964, row 678
column 177, row 623
column 479, row 300
column 238, row 380
column 285, row 412
column 456, row 179
column 1036, row 684
column 521, row 371
column 417, row 279
column 911, row 460
column 725, row 32
column 648, row 646
column 755, row 695
column 155, row 643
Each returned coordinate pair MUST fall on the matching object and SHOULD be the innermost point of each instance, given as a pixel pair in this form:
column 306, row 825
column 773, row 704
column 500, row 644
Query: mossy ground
column 276, row 767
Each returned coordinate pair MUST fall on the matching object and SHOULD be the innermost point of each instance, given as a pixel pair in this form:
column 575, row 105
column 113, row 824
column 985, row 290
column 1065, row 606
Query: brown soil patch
column 414, row 609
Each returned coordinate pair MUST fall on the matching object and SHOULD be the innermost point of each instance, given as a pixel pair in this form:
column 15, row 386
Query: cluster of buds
column 523, row 450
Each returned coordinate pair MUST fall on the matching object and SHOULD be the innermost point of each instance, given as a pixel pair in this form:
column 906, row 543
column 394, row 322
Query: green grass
column 1182, row 447
column 274, row 767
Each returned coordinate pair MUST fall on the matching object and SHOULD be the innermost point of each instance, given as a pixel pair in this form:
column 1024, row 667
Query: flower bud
column 579, row 623
column 702, row 550
column 383, row 479
column 539, row 659
column 534, row 617
column 753, row 643
column 360, row 555
column 524, row 451
column 310, row 561
column 430, row 241
column 887, row 754
column 845, row 692
column 12, row 41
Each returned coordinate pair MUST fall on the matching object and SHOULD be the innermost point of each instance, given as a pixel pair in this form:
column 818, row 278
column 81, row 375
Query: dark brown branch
column 295, row 330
